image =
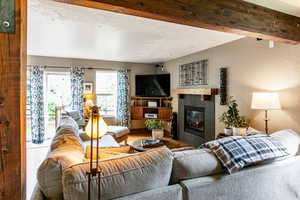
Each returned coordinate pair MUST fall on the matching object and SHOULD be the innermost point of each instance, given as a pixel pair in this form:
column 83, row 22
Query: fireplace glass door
column 194, row 120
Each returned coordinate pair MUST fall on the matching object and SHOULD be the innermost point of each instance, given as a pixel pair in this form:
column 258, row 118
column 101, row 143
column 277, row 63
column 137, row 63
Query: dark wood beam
column 12, row 108
column 232, row 16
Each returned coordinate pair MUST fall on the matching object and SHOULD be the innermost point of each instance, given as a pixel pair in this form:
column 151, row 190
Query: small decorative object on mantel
column 193, row 74
column 156, row 127
column 223, row 86
column 234, row 123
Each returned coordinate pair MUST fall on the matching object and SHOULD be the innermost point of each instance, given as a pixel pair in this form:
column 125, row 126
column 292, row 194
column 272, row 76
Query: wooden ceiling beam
column 231, row 16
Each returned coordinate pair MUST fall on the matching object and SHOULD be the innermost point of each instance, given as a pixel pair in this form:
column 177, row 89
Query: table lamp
column 265, row 101
column 95, row 129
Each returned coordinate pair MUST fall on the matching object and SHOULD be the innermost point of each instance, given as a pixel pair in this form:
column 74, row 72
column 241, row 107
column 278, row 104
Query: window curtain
column 123, row 113
column 36, row 91
column 77, row 79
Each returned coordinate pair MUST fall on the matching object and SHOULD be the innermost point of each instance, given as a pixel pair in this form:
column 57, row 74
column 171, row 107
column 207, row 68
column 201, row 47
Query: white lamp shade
column 265, row 101
column 92, row 133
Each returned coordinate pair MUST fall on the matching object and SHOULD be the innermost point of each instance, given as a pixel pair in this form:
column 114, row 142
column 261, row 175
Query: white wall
column 253, row 66
column 90, row 75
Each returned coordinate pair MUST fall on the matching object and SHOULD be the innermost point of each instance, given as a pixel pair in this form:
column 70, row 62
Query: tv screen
column 152, row 85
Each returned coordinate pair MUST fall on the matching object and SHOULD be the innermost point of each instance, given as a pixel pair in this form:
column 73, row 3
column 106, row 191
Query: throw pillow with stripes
column 236, row 152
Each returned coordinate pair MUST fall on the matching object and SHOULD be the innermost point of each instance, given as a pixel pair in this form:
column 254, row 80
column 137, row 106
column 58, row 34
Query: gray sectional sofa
column 160, row 174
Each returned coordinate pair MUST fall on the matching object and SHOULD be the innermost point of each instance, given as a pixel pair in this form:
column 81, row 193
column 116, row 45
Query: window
column 55, row 95
column 106, row 91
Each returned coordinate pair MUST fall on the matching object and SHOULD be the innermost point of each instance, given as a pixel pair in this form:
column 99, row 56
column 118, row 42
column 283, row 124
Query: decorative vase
column 228, row 131
column 239, row 131
column 157, row 133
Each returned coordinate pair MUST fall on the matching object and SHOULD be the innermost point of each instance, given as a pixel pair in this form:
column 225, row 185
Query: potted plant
column 241, row 127
column 234, row 123
column 157, row 128
column 225, row 119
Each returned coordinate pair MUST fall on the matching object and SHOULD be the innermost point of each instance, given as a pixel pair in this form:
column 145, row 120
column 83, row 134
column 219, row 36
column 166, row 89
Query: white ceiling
column 61, row 30
column 291, row 7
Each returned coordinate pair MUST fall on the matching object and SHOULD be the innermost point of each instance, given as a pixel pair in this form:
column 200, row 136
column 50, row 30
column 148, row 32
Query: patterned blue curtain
column 123, row 112
column 77, row 79
column 36, row 91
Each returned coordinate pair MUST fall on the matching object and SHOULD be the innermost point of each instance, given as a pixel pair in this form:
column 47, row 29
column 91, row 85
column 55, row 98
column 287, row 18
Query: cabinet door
column 136, row 113
column 164, row 113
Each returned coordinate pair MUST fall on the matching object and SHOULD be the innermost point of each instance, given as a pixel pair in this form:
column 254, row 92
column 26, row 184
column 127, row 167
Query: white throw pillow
column 289, row 138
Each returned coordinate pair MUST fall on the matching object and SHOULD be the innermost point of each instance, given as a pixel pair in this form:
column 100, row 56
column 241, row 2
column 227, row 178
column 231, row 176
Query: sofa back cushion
column 66, row 149
column 120, row 177
column 66, row 140
column 49, row 174
column 67, row 123
column 67, row 133
column 194, row 163
column 289, row 139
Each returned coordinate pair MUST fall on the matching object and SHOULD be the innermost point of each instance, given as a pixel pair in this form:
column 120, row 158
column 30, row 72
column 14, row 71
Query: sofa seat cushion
column 105, row 141
column 121, row 177
column 194, row 163
column 49, row 173
column 118, row 131
column 276, row 181
column 172, row 192
column 109, row 152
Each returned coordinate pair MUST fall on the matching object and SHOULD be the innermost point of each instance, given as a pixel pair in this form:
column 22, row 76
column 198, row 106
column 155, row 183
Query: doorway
column 56, row 93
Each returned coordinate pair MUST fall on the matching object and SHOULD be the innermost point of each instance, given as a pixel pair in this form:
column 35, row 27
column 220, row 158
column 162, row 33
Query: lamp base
column 92, row 173
column 266, row 122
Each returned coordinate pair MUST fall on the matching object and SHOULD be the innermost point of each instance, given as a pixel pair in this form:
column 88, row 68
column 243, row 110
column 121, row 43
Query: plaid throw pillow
column 237, row 152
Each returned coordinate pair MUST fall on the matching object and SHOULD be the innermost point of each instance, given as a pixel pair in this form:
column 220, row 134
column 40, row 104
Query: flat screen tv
column 157, row 85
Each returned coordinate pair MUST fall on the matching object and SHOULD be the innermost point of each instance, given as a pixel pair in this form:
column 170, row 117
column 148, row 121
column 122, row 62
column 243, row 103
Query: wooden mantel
column 196, row 91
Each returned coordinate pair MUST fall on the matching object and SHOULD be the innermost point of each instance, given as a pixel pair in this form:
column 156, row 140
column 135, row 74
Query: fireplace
column 194, row 120
column 196, row 116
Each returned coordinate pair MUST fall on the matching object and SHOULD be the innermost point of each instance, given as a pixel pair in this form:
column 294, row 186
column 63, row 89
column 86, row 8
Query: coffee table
column 168, row 142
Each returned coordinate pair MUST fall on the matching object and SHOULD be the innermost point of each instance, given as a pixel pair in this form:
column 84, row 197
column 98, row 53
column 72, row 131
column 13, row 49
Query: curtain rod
column 89, row 68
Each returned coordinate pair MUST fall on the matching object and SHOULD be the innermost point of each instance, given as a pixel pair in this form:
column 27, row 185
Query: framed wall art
column 193, row 74
column 87, row 87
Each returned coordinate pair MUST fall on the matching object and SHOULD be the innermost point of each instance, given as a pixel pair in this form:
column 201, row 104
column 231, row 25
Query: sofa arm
column 49, row 173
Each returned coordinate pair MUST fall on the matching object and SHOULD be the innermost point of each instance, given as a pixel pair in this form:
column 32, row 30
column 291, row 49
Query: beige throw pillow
column 194, row 163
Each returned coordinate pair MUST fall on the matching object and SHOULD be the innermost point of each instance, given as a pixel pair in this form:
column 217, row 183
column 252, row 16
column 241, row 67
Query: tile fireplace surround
column 196, row 117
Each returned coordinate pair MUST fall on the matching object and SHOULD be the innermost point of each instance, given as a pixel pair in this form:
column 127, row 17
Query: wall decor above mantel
column 193, row 74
